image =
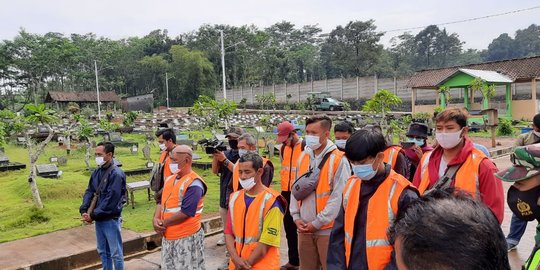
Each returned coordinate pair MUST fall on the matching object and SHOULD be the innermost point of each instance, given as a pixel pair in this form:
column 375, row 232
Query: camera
column 212, row 146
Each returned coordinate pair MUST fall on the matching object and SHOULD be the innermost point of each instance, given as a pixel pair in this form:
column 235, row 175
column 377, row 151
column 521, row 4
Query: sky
column 124, row 18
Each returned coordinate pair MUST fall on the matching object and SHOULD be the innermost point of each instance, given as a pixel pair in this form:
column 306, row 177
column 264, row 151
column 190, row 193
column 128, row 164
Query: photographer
column 222, row 164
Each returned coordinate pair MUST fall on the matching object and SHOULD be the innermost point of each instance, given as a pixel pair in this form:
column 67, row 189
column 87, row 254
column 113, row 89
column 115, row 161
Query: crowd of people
column 355, row 202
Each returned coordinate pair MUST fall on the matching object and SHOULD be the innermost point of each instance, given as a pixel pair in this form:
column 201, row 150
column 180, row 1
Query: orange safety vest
column 464, row 176
column 289, row 159
column 382, row 210
column 171, row 201
column 328, row 171
column 247, row 226
column 236, row 174
column 391, row 154
column 165, row 160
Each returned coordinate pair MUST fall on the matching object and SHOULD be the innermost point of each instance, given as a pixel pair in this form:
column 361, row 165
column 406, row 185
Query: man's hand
column 418, row 151
column 219, row 156
column 310, row 228
column 86, row 218
column 301, row 225
column 158, row 226
column 240, row 263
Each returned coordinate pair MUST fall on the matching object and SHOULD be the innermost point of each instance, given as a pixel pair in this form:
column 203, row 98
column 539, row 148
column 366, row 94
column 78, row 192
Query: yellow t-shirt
column 271, row 230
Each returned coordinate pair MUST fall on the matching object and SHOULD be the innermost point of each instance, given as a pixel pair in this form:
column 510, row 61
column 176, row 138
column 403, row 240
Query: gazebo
column 515, row 82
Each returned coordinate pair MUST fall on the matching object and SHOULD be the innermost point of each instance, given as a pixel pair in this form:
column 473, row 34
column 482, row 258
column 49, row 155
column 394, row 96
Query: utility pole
column 167, row 87
column 97, row 90
column 223, row 66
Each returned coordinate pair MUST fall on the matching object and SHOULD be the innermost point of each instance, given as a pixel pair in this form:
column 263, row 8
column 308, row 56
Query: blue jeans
column 109, row 244
column 517, row 229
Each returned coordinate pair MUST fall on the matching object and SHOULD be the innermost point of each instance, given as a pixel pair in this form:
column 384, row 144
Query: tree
column 501, row 48
column 85, row 132
column 381, row 103
column 193, row 75
column 435, row 48
column 213, row 111
column 37, row 114
column 352, row 50
column 488, row 91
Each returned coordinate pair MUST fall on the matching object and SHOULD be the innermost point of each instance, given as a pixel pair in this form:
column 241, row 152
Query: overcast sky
column 124, row 18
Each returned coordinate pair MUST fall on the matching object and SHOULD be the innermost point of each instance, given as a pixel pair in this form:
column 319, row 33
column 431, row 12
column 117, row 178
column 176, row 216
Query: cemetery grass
column 62, row 197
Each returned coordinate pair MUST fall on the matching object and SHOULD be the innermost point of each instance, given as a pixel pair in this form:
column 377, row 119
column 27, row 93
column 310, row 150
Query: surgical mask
column 364, row 171
column 449, row 140
column 248, row 184
column 242, row 152
column 162, row 147
column 524, row 204
column 312, row 142
column 536, row 133
column 417, row 142
column 100, row 161
column 341, row 143
column 173, row 167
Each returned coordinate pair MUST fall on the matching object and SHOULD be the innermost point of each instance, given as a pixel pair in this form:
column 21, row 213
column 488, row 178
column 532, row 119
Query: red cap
column 284, row 129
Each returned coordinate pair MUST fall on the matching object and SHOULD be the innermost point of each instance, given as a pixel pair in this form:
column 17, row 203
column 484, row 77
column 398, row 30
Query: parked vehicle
column 322, row 101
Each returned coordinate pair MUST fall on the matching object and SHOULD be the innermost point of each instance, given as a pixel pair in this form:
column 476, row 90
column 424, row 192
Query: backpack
column 156, row 177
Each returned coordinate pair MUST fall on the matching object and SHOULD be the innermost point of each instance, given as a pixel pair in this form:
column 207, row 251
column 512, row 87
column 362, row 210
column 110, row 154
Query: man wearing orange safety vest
column 457, row 163
column 167, row 141
column 252, row 232
column 246, row 144
column 291, row 149
column 314, row 214
column 394, row 155
column 372, row 197
column 179, row 219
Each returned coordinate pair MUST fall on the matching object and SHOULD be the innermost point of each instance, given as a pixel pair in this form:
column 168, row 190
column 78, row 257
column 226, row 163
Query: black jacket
column 336, row 248
column 112, row 197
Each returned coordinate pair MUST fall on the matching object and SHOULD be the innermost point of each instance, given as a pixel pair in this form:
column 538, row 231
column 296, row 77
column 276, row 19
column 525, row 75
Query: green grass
column 62, row 197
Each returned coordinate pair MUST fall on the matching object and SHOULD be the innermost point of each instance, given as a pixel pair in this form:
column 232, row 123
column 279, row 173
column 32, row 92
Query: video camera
column 212, row 146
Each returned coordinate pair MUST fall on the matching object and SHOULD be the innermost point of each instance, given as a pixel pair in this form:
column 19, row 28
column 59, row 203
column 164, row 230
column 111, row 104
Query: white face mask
column 100, row 161
column 449, row 140
column 341, row 143
column 242, row 152
column 312, row 142
column 162, row 147
column 173, row 167
column 248, row 184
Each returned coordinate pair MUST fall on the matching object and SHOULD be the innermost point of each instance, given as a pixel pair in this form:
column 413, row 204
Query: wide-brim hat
column 418, row 130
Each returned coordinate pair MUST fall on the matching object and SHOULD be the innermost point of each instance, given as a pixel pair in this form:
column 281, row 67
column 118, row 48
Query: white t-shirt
column 442, row 167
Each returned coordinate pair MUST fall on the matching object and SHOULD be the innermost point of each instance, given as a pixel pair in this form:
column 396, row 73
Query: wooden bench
column 136, row 186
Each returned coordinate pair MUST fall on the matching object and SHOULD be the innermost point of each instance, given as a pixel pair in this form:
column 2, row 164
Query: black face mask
column 524, row 204
column 233, row 144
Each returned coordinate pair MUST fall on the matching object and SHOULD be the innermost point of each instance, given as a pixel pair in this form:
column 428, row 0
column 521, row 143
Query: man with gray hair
column 248, row 144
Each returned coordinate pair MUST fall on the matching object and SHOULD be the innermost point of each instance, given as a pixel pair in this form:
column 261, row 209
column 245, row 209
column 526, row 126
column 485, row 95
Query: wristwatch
column 226, row 162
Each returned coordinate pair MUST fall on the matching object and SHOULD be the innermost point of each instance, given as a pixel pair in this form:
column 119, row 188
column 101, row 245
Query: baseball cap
column 526, row 162
column 234, row 132
column 284, row 129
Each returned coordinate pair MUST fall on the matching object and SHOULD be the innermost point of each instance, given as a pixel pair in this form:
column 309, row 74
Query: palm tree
column 37, row 115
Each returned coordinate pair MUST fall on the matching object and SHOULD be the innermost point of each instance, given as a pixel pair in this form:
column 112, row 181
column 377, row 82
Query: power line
column 465, row 20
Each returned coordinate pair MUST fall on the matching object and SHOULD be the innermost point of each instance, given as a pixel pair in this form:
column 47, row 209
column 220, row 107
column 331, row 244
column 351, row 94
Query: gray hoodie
column 308, row 211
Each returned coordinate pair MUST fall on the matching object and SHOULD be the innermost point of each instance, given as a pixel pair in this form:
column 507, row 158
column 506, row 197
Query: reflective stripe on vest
column 289, row 158
column 469, row 169
column 378, row 248
column 391, row 154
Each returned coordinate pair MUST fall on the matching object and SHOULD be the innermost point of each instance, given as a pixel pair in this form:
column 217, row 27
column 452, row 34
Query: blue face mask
column 364, row 171
column 418, row 142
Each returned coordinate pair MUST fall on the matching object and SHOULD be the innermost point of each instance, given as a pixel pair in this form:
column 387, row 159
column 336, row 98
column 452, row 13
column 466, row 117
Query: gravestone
column 146, row 152
column 4, row 160
column 62, row 160
column 47, row 170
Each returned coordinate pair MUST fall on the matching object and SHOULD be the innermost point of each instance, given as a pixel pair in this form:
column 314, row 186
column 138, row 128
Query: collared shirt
column 526, row 139
column 308, row 211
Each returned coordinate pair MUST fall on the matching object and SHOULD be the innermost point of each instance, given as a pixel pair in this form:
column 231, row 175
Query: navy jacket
column 336, row 248
column 112, row 197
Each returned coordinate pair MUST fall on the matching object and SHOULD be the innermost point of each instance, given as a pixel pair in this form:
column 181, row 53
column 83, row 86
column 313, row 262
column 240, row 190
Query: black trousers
column 290, row 232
